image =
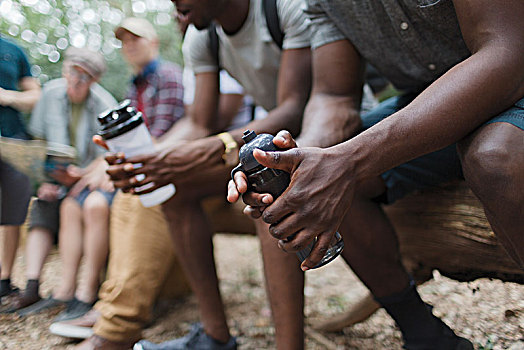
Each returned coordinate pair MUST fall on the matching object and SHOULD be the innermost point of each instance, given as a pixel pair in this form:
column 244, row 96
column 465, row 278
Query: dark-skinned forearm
column 183, row 130
column 479, row 88
column 329, row 120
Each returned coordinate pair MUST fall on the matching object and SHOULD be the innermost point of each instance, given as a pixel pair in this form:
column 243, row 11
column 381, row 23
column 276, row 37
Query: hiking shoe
column 9, row 291
column 75, row 309
column 17, row 301
column 42, row 305
column 197, row 339
column 447, row 340
column 78, row 328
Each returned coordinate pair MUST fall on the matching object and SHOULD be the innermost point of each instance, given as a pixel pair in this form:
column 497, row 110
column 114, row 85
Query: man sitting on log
column 459, row 65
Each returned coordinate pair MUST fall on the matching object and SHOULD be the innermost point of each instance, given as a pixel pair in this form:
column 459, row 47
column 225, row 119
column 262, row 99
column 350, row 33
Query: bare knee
column 493, row 162
column 486, row 163
column 69, row 207
column 95, row 206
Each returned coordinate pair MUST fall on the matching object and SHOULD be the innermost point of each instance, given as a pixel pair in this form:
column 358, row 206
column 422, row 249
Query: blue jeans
column 431, row 169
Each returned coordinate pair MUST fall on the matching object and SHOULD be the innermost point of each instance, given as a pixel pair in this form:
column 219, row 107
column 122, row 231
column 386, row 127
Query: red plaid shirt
column 162, row 95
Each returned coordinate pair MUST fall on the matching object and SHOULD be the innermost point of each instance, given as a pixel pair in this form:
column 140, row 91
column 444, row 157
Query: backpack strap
column 213, row 42
column 273, row 22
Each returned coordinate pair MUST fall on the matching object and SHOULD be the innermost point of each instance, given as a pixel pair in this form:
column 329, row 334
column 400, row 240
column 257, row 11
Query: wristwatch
column 230, row 155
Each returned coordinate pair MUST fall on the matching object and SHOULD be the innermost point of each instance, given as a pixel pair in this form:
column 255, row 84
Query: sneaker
column 197, row 339
column 96, row 342
column 75, row 309
column 77, row 328
column 42, row 305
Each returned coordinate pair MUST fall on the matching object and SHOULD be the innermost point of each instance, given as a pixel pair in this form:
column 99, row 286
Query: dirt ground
column 488, row 312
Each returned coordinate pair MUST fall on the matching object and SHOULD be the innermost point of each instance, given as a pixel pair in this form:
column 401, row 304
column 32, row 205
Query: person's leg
column 285, row 289
column 43, row 225
column 10, row 236
column 38, row 245
column 95, row 212
column 370, row 243
column 493, row 165
column 371, row 249
column 192, row 235
column 15, row 194
column 193, row 244
column 371, row 246
column 141, row 256
column 70, row 245
column 43, row 222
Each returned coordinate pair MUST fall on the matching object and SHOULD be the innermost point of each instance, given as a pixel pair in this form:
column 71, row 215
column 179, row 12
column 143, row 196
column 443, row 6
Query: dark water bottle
column 262, row 179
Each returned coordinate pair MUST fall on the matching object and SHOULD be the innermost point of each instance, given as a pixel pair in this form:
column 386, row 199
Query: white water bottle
column 123, row 130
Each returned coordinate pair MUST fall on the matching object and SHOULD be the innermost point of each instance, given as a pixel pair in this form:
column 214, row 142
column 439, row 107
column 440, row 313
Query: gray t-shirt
column 411, row 42
column 51, row 116
column 250, row 55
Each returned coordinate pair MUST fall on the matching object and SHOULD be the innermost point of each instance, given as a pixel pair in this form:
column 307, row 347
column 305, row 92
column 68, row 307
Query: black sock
column 412, row 315
column 5, row 286
column 32, row 286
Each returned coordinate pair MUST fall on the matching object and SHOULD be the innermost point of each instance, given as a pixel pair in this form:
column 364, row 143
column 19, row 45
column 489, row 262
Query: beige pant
column 142, row 266
column 142, row 262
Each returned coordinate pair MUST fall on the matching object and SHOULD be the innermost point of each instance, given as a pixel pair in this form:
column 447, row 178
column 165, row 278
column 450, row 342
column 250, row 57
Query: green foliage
column 46, row 28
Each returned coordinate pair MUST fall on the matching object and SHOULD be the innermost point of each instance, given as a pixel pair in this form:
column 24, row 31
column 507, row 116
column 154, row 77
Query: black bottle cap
column 119, row 120
column 248, row 136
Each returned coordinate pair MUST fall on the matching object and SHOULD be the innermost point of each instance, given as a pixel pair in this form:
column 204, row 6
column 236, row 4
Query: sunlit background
column 46, row 28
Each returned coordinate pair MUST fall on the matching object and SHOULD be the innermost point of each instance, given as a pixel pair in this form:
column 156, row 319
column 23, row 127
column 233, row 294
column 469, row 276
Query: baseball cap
column 138, row 26
column 92, row 62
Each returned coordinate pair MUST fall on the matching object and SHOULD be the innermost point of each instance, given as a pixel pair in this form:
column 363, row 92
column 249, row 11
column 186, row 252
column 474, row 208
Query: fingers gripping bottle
column 274, row 181
column 124, row 130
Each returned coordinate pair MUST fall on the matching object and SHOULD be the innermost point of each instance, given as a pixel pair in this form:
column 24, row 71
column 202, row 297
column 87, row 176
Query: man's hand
column 65, row 176
column 320, row 192
column 93, row 177
column 256, row 202
column 146, row 173
column 48, row 192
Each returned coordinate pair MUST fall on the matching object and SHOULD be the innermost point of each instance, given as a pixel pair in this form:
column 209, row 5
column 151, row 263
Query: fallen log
column 445, row 229
column 442, row 228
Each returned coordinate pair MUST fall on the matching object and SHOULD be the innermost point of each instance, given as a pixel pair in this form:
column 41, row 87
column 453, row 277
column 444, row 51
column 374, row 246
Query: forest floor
column 488, row 312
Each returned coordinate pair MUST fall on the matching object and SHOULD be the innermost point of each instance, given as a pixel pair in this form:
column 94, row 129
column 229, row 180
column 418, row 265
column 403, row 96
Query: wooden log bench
column 444, row 229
